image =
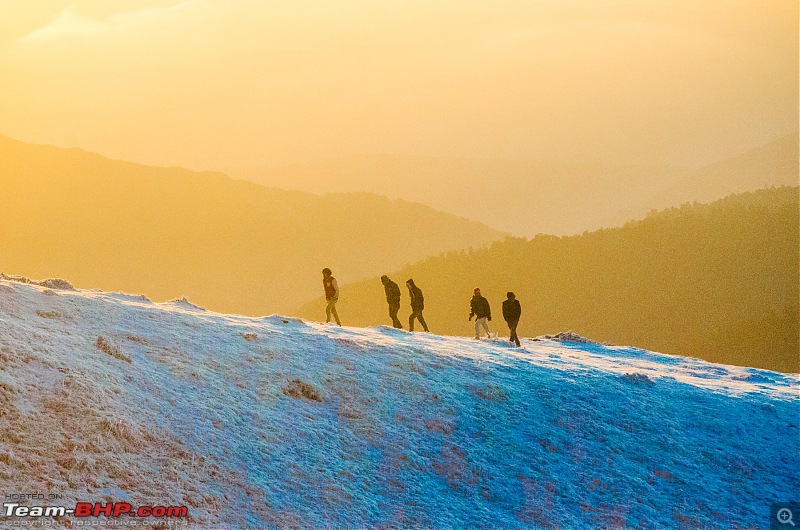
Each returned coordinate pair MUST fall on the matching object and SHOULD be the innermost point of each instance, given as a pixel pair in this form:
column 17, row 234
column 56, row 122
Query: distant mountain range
column 527, row 197
column 230, row 245
column 775, row 164
column 717, row 281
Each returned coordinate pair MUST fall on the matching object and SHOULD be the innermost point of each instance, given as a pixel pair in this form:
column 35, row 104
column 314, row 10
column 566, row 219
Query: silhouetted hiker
column 331, row 295
column 393, row 299
column 511, row 313
column 479, row 308
column 417, row 305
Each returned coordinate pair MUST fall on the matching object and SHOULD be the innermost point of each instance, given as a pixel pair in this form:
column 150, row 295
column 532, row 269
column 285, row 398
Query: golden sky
column 212, row 84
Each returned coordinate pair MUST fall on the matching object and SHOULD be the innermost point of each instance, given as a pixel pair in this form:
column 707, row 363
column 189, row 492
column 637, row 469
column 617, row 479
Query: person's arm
column 488, row 310
column 335, row 285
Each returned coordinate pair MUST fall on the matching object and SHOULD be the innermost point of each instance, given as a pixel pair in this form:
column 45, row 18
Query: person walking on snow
column 331, row 295
column 417, row 305
column 479, row 308
column 511, row 313
column 393, row 299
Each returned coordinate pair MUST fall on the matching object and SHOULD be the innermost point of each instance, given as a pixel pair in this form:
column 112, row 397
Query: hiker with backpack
column 511, row 313
column 393, row 299
column 479, row 308
column 417, row 305
column 331, row 295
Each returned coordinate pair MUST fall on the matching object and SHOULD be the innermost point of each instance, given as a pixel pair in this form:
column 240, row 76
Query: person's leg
column 477, row 328
column 411, row 320
column 512, row 326
column 328, row 312
column 485, row 324
column 422, row 321
column 333, row 310
column 393, row 309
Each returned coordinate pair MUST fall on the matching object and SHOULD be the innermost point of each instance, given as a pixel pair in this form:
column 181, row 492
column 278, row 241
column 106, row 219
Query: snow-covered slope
column 274, row 421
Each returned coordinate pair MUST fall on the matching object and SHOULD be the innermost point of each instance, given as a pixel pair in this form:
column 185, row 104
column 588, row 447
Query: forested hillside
column 717, row 281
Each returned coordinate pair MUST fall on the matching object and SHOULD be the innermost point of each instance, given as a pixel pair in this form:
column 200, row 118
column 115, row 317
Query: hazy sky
column 217, row 83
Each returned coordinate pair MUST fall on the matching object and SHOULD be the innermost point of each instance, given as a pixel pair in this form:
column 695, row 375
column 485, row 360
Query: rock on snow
column 274, row 421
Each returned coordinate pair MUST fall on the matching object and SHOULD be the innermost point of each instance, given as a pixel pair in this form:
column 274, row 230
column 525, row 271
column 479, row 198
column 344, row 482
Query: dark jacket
column 417, row 300
column 511, row 310
column 330, row 290
column 479, row 307
column 392, row 292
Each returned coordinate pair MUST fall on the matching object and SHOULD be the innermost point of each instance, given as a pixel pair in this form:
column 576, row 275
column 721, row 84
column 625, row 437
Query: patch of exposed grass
column 111, row 349
column 48, row 314
column 299, row 389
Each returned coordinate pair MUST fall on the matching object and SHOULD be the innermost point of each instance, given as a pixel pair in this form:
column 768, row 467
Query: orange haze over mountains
column 527, row 197
column 475, row 119
column 231, row 245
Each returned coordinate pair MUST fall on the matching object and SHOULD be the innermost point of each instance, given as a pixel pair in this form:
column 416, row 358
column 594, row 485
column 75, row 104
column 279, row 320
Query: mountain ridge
column 525, row 197
column 170, row 232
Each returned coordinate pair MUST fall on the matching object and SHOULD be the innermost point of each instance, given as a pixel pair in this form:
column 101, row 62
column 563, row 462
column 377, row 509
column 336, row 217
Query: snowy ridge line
column 588, row 355
column 50, row 283
column 276, row 422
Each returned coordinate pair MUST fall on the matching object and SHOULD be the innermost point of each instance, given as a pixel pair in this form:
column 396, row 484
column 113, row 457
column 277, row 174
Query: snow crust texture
column 275, row 422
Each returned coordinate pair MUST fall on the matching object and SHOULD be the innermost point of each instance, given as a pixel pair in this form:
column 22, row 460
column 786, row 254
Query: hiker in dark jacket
column 479, row 308
column 393, row 299
column 417, row 305
column 331, row 295
column 511, row 313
